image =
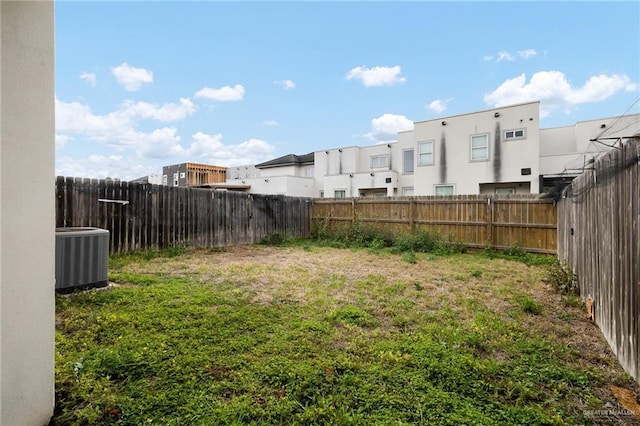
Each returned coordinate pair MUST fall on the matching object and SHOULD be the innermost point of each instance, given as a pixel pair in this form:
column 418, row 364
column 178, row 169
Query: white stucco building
column 495, row 151
column 291, row 175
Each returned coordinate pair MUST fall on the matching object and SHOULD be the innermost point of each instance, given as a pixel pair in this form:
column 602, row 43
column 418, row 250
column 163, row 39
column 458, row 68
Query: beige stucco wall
column 27, row 218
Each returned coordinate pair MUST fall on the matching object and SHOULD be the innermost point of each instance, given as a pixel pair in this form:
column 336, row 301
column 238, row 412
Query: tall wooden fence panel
column 599, row 236
column 140, row 216
column 527, row 221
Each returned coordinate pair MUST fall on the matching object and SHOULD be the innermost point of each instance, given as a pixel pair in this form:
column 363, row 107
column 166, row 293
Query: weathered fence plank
column 598, row 235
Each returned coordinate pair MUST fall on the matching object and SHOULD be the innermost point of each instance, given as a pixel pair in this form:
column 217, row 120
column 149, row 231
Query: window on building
column 407, row 161
column 182, row 175
column 165, row 180
column 308, row 172
column 479, row 147
column 340, row 193
column 407, row 191
column 175, row 179
column 425, row 153
column 444, row 190
column 514, row 134
column 505, row 191
column 321, row 194
column 379, row 161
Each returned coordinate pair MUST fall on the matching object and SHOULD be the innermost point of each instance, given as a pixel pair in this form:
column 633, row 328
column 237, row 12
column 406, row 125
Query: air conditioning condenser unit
column 82, row 257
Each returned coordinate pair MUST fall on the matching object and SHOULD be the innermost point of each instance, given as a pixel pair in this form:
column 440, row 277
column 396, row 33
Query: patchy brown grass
column 463, row 285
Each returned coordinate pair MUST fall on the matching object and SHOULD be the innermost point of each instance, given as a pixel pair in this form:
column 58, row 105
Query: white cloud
column 204, row 144
column 270, row 123
column 132, row 78
column 74, row 117
column 89, row 77
column 102, row 166
column 377, row 76
column 104, row 158
column 209, row 149
column 253, row 147
column 118, row 128
column 601, row 87
column 166, row 112
column 554, row 90
column 223, row 94
column 286, row 84
column 386, row 127
column 528, row 53
column 503, row 55
column 161, row 143
column 61, row 140
column 438, row 105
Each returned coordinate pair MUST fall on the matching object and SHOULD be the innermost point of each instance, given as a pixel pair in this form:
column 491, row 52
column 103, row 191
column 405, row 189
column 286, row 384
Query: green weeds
column 518, row 254
column 562, row 278
column 350, row 338
column 119, row 260
column 358, row 235
column 529, row 305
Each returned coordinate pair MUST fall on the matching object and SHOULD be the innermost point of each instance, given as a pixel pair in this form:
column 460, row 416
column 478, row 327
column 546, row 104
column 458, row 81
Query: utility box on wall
column 82, row 256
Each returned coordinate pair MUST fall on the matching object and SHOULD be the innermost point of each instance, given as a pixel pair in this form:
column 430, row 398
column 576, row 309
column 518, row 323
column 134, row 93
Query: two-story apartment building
column 480, row 152
column 495, row 151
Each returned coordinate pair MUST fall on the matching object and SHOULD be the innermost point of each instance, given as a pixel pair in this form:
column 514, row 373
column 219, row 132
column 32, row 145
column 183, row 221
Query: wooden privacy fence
column 527, row 221
column 599, row 236
column 140, row 216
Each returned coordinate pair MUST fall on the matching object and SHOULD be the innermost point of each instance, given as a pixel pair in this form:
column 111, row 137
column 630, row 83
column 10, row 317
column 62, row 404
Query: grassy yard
column 309, row 334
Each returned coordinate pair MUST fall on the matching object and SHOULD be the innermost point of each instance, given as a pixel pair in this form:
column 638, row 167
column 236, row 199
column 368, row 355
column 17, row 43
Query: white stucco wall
column 452, row 152
column 155, row 179
column 557, row 141
column 405, row 179
column 290, row 170
column 293, row 186
column 364, row 155
column 336, row 161
column 27, row 217
column 541, row 151
column 242, row 172
column 568, row 148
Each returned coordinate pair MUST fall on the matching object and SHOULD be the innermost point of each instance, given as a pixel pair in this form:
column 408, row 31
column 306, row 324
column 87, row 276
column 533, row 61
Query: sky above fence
column 140, row 85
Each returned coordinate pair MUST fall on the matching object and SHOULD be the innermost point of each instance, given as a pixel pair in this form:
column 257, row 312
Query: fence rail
column 140, row 216
column 599, row 236
column 476, row 220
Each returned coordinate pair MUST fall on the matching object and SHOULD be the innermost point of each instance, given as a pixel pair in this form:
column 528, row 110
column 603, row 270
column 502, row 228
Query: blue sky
column 140, row 85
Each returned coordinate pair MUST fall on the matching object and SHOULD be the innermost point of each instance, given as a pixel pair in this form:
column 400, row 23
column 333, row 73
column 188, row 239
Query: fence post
column 353, row 211
column 490, row 239
column 412, row 225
